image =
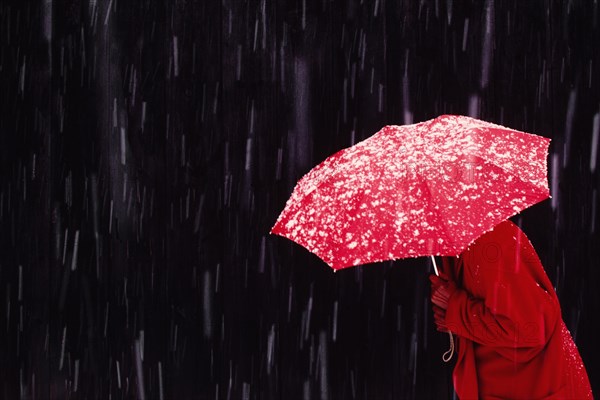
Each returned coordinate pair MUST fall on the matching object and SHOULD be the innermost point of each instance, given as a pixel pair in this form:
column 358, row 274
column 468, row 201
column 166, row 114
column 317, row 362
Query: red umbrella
column 415, row 190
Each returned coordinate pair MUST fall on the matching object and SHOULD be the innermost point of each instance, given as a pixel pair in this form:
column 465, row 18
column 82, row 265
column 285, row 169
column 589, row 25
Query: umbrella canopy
column 415, row 190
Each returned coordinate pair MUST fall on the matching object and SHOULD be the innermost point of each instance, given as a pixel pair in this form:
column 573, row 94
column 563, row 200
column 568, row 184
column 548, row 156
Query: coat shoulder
column 503, row 233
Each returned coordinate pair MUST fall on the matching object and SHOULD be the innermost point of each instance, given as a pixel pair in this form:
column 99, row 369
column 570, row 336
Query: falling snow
column 147, row 148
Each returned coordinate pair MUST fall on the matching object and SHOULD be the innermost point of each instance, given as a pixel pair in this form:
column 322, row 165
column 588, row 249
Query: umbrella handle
column 447, row 356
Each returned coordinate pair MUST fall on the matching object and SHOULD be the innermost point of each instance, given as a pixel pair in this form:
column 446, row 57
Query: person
column 499, row 304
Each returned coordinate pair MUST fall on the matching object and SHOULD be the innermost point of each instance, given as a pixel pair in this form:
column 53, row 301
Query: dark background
column 147, row 147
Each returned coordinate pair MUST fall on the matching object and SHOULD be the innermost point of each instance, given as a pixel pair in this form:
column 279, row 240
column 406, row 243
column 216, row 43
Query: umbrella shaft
column 435, row 268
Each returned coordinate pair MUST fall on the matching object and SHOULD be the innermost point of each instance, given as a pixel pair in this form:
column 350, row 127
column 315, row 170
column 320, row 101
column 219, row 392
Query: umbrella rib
column 527, row 182
column 486, row 160
column 441, row 220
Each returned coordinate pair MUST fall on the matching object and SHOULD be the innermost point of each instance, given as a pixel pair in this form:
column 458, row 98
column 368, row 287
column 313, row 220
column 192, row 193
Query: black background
column 147, row 147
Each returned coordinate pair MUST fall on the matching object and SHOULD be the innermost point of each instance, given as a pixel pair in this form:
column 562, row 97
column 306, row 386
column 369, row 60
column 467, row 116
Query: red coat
column 512, row 341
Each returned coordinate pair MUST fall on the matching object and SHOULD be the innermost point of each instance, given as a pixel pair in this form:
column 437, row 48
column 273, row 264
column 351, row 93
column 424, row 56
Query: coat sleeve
column 507, row 309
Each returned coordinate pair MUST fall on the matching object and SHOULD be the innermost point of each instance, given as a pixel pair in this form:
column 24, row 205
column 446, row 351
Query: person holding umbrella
column 446, row 187
column 512, row 342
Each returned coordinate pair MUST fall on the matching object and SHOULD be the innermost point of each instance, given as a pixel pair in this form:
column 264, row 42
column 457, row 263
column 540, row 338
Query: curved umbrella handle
column 447, row 356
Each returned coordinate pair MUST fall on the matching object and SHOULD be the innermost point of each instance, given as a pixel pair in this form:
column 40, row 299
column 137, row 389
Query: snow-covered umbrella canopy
column 415, row 190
